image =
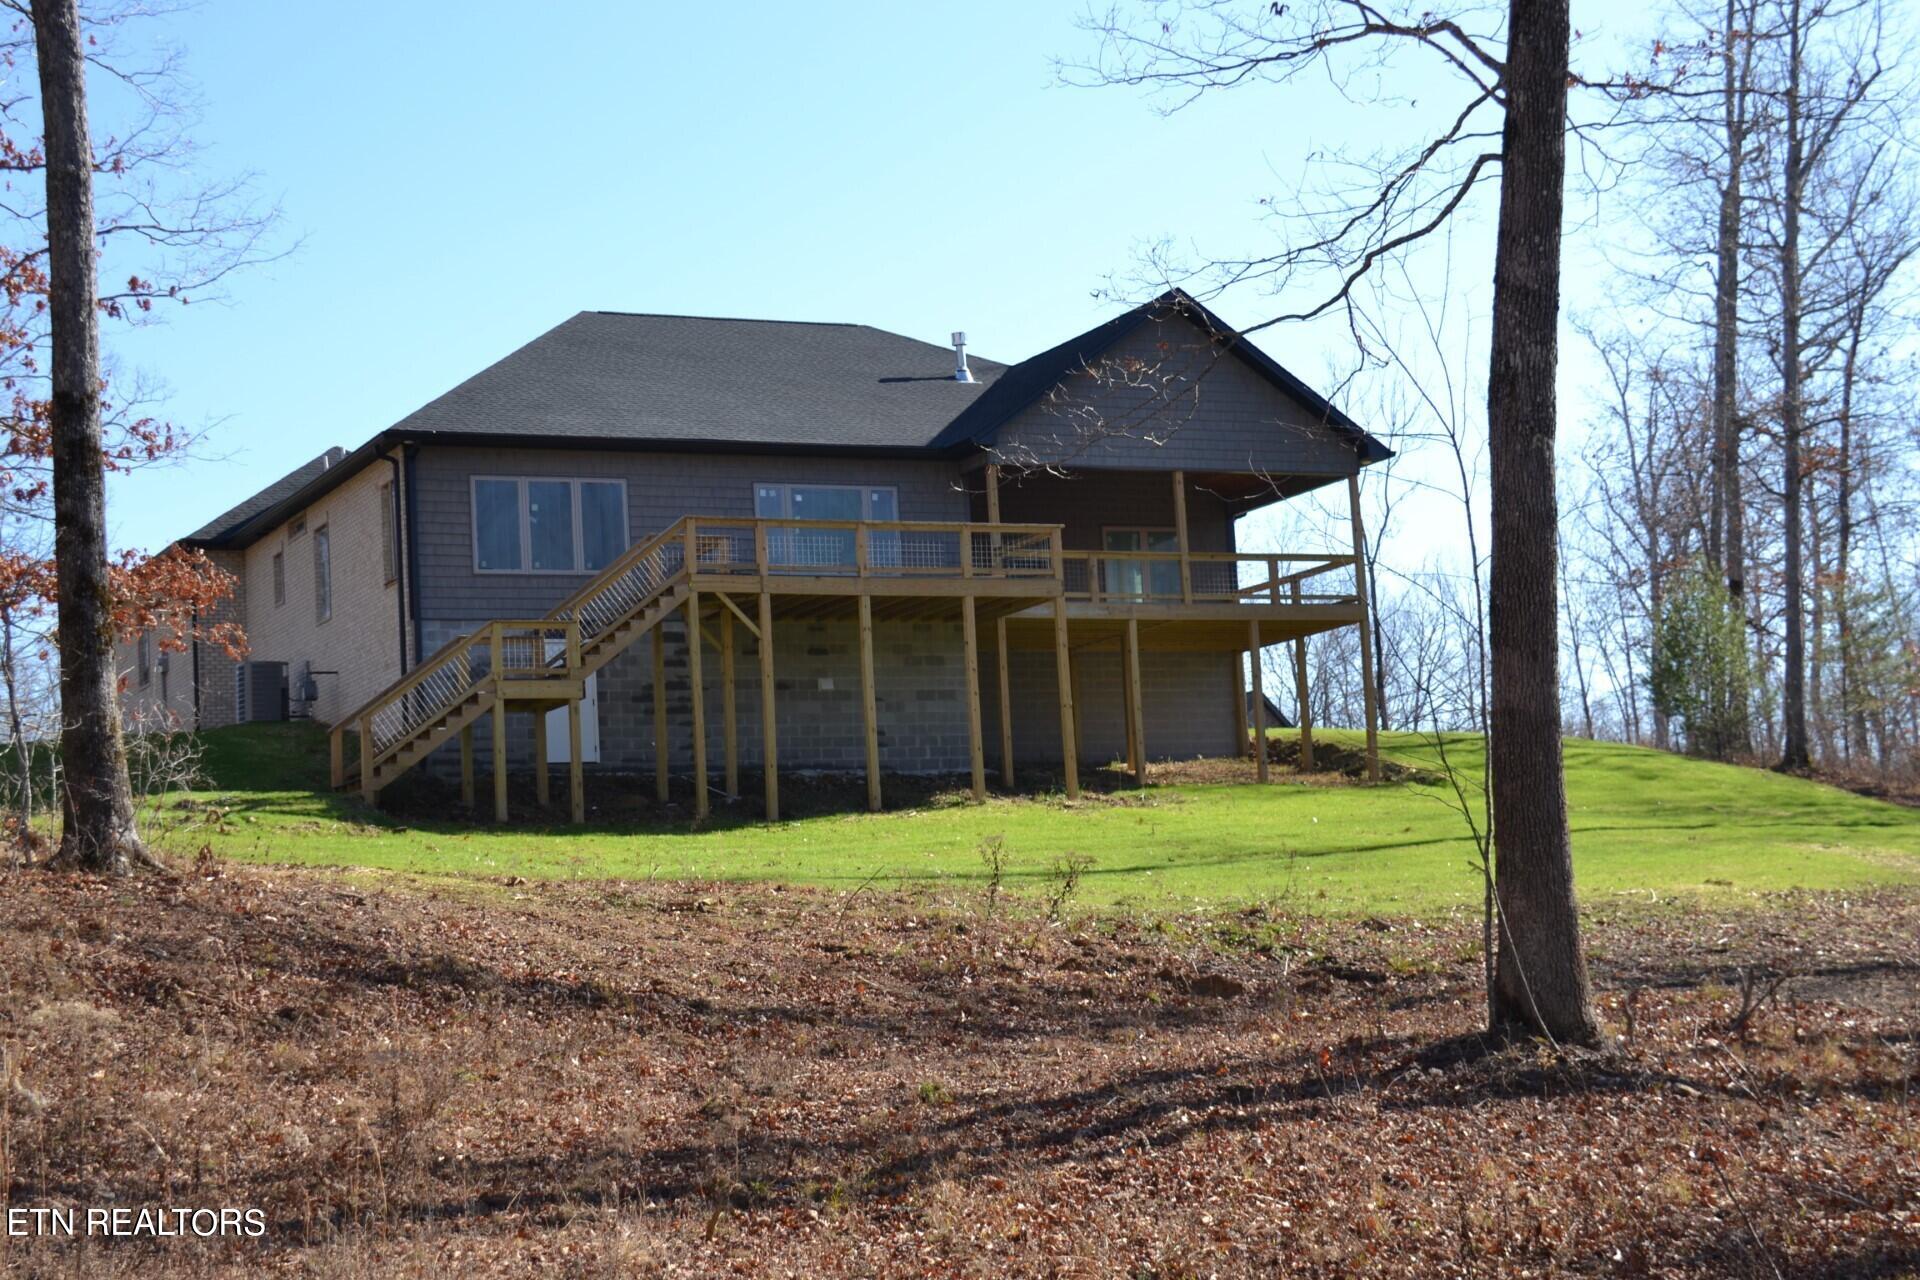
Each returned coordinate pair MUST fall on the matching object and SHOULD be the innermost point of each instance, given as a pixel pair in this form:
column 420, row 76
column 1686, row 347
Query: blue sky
column 462, row 177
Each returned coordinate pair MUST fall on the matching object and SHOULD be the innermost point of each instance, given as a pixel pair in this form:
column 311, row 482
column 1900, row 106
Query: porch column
column 1006, row 705
column 1368, row 693
column 499, row 714
column 1302, row 701
column 730, row 712
column 1063, row 677
column 1180, row 534
column 576, row 780
column 1137, row 740
column 869, row 709
column 976, row 750
column 1239, row 703
column 658, row 641
column 542, row 789
column 1259, row 701
column 701, row 803
column 769, row 738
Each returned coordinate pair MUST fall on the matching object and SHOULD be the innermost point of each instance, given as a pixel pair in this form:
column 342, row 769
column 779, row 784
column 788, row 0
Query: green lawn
column 1645, row 825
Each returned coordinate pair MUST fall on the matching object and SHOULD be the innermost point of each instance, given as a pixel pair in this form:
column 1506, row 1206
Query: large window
column 541, row 525
column 322, row 574
column 1142, row 578
column 829, row 548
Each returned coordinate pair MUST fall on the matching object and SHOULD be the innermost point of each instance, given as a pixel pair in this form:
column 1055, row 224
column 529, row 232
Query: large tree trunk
column 1542, row 982
column 1730, row 551
column 97, row 831
column 1793, row 700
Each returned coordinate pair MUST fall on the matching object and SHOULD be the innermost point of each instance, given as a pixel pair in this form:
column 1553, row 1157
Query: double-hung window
column 537, row 524
column 827, row 548
column 322, row 574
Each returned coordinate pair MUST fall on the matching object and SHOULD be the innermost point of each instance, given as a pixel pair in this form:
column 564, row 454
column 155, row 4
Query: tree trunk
column 1542, row 982
column 1793, row 699
column 97, row 818
column 1729, row 552
column 16, row 730
column 1853, row 721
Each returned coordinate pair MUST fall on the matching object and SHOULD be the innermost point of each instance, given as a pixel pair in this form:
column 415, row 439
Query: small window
column 322, row 575
column 547, row 525
column 279, row 579
column 296, row 528
column 143, row 657
column 389, row 525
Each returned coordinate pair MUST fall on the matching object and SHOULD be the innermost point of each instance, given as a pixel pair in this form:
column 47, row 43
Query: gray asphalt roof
column 285, row 487
column 630, row 377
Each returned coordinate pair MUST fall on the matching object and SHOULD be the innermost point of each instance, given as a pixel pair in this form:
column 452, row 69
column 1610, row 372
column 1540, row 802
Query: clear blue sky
column 462, row 177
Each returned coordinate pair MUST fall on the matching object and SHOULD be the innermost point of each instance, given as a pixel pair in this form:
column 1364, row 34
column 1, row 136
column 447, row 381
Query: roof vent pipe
column 960, row 371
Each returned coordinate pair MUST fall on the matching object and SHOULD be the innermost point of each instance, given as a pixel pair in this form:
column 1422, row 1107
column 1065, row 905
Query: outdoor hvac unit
column 261, row 691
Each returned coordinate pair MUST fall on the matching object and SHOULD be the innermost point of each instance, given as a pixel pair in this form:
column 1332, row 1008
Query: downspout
column 413, row 545
column 400, row 559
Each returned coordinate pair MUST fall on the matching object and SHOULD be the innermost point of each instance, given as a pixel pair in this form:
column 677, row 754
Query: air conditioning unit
column 260, row 691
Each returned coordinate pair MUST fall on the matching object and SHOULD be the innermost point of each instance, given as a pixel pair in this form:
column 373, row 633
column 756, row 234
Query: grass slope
column 1645, row 824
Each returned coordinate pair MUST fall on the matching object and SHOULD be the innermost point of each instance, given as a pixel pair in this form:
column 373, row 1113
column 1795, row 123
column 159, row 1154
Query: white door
column 557, row 745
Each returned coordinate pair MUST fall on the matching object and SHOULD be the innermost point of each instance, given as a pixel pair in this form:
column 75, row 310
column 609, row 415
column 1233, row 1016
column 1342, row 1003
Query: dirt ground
column 621, row 1079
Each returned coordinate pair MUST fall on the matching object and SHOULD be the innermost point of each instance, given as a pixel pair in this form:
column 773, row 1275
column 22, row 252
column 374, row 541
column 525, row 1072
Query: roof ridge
column 685, row 315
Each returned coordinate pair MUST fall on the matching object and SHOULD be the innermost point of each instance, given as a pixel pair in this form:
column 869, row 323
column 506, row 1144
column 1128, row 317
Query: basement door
column 557, row 745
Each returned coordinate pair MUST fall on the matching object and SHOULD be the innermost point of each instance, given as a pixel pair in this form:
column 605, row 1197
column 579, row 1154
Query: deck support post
column 1259, row 701
column 1063, row 677
column 1369, row 694
column 1136, row 720
column 466, row 766
column 1180, row 534
column 337, row 756
column 976, row 749
column 769, row 737
column 869, row 710
column 368, row 792
column 730, row 711
column 576, row 774
column 699, row 700
column 659, row 643
column 1006, row 704
column 1302, row 699
column 542, row 784
column 1240, row 747
column 499, row 714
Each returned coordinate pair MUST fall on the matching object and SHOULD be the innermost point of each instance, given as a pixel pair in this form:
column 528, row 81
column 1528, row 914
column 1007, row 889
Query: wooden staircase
column 533, row 664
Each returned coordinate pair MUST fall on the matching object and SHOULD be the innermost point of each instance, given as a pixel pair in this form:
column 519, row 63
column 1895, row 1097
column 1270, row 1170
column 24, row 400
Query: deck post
column 466, row 766
column 499, row 714
column 1137, row 746
column 1180, row 533
column 368, row 791
column 1259, row 701
column 1063, row 678
column 337, row 755
column 1240, row 747
column 542, row 785
column 869, row 711
column 576, row 775
column 769, row 737
column 1303, row 706
column 1368, row 693
column 699, row 701
column 659, row 641
column 1006, row 704
column 730, row 711
column 976, row 750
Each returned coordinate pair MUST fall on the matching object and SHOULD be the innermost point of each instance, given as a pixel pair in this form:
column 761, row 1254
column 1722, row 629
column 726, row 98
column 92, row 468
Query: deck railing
column 872, row 549
column 1201, row 577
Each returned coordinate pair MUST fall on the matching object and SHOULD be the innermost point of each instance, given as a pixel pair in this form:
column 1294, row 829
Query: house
column 796, row 545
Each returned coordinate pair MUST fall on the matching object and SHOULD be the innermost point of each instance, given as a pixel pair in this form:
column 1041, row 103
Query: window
column 389, row 544
column 279, row 579
column 322, row 575
column 1142, row 578
column 143, row 657
column 542, row 525
column 296, row 528
column 827, row 548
